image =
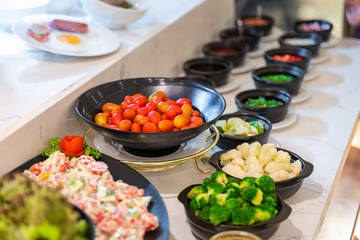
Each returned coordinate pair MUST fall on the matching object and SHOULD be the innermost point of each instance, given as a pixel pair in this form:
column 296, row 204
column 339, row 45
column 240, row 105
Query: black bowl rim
column 302, row 52
column 277, row 67
column 248, row 31
column 207, row 59
column 271, row 90
column 263, row 16
column 91, row 224
column 298, row 22
column 199, row 78
column 245, row 138
column 280, row 217
column 226, row 43
column 307, row 168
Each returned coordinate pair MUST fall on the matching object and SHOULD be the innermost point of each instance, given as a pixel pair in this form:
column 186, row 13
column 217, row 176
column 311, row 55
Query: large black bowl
column 274, row 114
column 203, row 229
column 263, row 29
column 285, row 188
column 250, row 36
column 209, row 102
column 285, row 41
column 235, row 52
column 291, row 87
column 324, row 33
column 296, row 51
column 216, row 69
column 229, row 142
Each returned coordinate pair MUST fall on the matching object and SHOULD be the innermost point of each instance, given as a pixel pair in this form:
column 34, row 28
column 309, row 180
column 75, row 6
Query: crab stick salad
column 119, row 210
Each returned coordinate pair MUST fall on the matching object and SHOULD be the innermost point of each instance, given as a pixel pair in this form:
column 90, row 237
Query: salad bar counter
column 151, row 150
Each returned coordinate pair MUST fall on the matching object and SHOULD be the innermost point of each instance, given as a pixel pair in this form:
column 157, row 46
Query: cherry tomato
column 157, row 100
column 191, row 125
column 116, row 118
column 151, row 106
column 141, row 119
column 196, row 120
column 165, row 125
column 185, row 127
column 124, row 105
column 109, row 106
column 170, row 113
column 182, row 101
column 136, row 95
column 154, row 117
column 117, row 110
column 133, row 106
column 158, row 94
column 129, row 114
column 125, row 125
column 143, row 111
column 141, row 101
column 181, row 120
column 135, row 127
column 149, row 127
column 170, row 102
column 162, row 106
column 195, row 113
column 187, row 109
column 100, row 119
column 107, row 113
column 129, row 99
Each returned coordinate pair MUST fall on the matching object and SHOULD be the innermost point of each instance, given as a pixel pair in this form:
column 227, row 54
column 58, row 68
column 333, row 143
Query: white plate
column 273, row 35
column 323, row 56
column 287, row 121
column 311, row 74
column 231, row 85
column 333, row 41
column 97, row 41
column 303, row 94
column 257, row 52
column 246, row 67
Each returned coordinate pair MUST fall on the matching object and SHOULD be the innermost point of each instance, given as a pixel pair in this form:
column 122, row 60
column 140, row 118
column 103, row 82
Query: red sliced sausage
column 68, row 26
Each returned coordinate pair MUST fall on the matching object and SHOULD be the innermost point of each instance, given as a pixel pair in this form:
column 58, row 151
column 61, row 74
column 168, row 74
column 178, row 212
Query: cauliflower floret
column 244, row 150
column 253, row 165
column 229, row 156
column 255, row 149
column 295, row 168
column 282, row 157
column 280, row 175
column 267, row 154
column 238, row 161
column 234, row 170
column 254, row 174
column 273, row 167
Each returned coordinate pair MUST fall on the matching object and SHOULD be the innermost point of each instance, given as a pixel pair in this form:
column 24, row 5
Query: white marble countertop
column 38, row 91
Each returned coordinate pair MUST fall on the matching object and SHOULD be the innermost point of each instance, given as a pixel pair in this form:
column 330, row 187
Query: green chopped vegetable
column 262, row 102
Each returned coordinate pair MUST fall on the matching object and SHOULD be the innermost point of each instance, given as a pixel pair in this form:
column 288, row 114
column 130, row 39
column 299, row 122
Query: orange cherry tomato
column 196, row 120
column 116, row 118
column 157, row 100
column 141, row 101
column 129, row 99
column 100, row 119
column 125, row 125
column 182, row 101
column 129, row 114
column 158, row 94
column 141, row 119
column 191, row 125
column 72, row 145
column 175, row 129
column 165, row 125
column 195, row 113
column 117, row 110
column 187, row 109
column 149, row 127
column 154, row 117
column 109, row 106
column 162, row 106
column 124, row 105
column 181, row 120
column 107, row 113
column 135, row 127
column 185, row 127
column 136, row 95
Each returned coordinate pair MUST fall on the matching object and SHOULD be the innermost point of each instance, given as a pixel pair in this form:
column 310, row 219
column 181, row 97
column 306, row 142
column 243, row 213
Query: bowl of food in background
column 154, row 114
column 235, row 52
column 61, row 6
column 308, row 40
column 321, row 27
column 200, row 79
column 237, row 128
column 250, row 36
column 286, row 168
column 214, row 68
column 115, row 14
column 224, row 203
column 264, row 24
column 289, row 78
column 271, row 103
column 294, row 56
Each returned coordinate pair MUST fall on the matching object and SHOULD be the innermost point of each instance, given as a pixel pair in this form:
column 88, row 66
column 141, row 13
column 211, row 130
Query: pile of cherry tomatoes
column 156, row 113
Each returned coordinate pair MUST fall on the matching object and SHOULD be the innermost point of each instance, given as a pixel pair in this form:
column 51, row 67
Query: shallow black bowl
column 90, row 231
column 291, row 87
column 229, row 142
column 250, row 36
column 325, row 34
column 235, row 52
column 209, row 102
column 284, row 41
column 274, row 114
column 296, row 51
column 263, row 29
column 203, row 229
column 199, row 79
column 216, row 69
column 285, row 188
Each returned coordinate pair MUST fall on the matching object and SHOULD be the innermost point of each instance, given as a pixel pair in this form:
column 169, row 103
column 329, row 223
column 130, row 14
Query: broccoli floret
column 199, row 201
column 265, row 183
column 233, row 189
column 242, row 216
column 247, row 182
column 233, row 180
column 207, row 181
column 218, row 214
column 214, row 188
column 219, row 177
column 264, row 213
column 195, row 191
column 218, row 199
column 252, row 194
column 269, row 199
column 242, row 202
column 232, row 203
column 203, row 213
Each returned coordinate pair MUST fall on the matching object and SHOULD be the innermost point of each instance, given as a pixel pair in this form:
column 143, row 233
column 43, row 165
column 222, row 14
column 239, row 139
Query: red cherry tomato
column 135, row 127
column 109, row 106
column 151, row 106
column 129, row 114
column 125, row 125
column 133, row 106
column 141, row 101
column 154, row 117
column 165, row 125
column 149, row 127
column 116, row 118
column 170, row 113
column 182, row 101
column 143, row 111
column 129, row 99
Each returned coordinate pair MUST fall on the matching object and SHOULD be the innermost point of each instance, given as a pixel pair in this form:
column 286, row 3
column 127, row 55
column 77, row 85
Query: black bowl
column 216, row 69
column 285, row 41
column 324, row 32
column 209, row 102
column 291, row 87
column 251, row 21
column 229, row 142
column 250, row 36
column 285, row 188
column 235, row 52
column 296, row 51
column 274, row 114
column 90, row 231
column 203, row 229
column 199, row 79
